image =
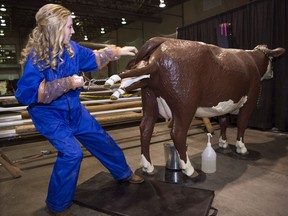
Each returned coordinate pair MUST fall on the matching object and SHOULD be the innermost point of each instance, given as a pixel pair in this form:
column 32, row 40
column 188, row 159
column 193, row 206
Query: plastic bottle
column 208, row 158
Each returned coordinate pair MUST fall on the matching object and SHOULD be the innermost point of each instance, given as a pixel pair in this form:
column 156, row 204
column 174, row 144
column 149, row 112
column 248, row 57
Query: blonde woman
column 50, row 87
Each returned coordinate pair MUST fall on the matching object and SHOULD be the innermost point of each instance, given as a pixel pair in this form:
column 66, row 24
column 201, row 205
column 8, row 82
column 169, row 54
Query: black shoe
column 65, row 212
column 135, row 179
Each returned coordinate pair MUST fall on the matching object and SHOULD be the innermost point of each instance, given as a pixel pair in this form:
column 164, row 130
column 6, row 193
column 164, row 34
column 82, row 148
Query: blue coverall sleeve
column 27, row 86
column 87, row 59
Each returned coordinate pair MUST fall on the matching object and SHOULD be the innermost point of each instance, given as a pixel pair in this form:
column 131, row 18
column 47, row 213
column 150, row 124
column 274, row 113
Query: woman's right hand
column 77, row 81
column 128, row 50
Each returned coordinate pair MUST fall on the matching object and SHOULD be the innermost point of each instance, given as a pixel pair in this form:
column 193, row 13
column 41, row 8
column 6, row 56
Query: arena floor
column 242, row 187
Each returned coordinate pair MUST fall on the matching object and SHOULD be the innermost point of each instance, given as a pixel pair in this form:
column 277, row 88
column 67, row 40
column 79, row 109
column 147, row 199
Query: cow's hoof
column 112, row 97
column 238, row 152
column 150, row 173
column 111, row 81
column 242, row 150
column 194, row 175
column 117, row 94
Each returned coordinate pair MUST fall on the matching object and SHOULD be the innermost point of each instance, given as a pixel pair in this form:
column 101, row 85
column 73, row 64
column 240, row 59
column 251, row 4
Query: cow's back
column 192, row 71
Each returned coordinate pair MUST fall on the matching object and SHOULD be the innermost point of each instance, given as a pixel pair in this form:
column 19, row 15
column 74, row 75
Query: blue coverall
column 65, row 122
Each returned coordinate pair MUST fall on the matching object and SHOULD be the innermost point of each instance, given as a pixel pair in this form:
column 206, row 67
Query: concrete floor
column 242, row 188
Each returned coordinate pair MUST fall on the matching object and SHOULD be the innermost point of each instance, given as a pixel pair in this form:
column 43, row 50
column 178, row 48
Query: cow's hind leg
column 150, row 116
column 179, row 131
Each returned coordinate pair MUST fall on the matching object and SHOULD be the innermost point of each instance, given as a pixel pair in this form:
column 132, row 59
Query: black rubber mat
column 172, row 176
column 151, row 198
column 231, row 152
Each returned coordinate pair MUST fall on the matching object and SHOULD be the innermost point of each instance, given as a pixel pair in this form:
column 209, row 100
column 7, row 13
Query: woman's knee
column 72, row 155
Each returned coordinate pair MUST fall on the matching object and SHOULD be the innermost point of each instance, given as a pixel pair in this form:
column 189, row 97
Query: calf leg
column 150, row 115
column 124, row 89
column 150, row 68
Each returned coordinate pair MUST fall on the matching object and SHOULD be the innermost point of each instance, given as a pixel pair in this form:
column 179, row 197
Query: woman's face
column 68, row 30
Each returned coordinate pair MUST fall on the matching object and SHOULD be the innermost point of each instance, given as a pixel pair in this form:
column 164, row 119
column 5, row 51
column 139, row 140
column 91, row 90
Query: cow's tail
column 143, row 55
column 148, row 48
column 147, row 69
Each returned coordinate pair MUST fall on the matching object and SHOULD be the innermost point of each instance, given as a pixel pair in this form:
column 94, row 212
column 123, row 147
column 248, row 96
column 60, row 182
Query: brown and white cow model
column 197, row 79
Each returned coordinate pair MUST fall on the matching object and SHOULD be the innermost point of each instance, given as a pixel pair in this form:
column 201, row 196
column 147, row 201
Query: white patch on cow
column 163, row 108
column 269, row 72
column 223, row 143
column 187, row 168
column 221, row 108
column 241, row 148
column 146, row 165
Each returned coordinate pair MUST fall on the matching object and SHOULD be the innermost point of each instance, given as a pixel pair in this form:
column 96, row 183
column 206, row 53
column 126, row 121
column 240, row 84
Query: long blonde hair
column 47, row 38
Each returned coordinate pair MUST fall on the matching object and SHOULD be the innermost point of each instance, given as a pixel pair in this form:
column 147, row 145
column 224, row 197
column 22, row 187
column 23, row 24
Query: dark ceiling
column 91, row 15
